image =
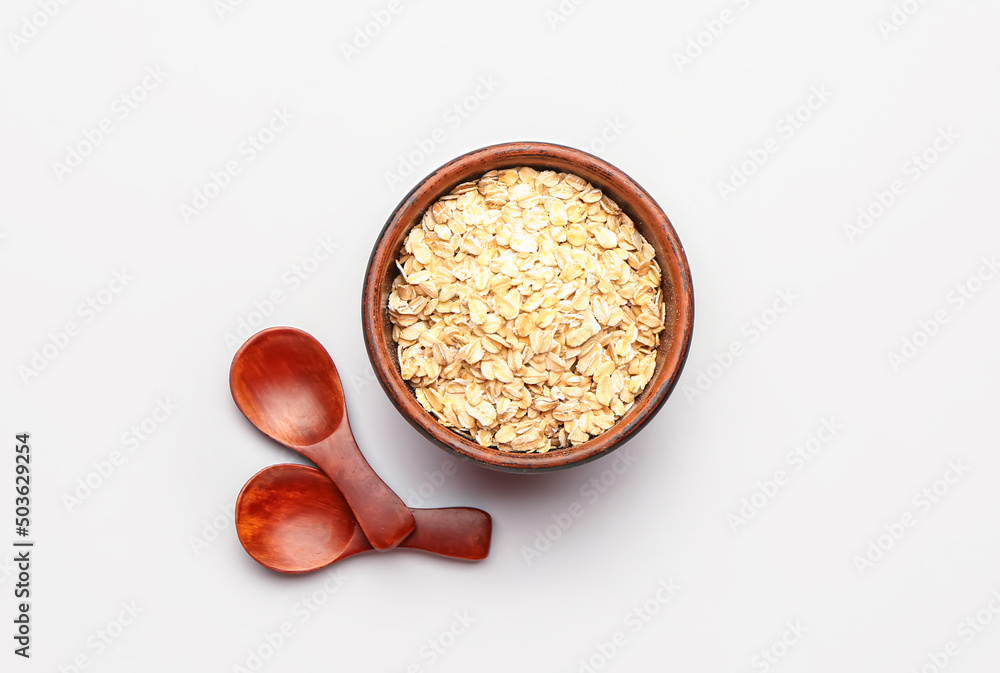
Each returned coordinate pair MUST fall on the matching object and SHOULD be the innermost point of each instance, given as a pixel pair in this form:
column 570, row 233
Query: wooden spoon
column 285, row 383
column 293, row 519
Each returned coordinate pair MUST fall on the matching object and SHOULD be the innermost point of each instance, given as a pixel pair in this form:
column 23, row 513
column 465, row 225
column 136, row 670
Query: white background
column 158, row 530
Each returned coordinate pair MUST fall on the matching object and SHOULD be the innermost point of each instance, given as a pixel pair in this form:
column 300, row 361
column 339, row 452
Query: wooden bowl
column 649, row 219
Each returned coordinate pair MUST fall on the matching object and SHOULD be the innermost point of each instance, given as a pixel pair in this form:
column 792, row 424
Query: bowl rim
column 441, row 180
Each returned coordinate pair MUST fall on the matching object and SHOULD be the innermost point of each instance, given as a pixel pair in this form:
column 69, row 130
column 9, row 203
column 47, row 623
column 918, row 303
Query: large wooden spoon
column 293, row 519
column 286, row 384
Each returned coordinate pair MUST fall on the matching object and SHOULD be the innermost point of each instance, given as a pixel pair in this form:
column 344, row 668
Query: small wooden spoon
column 286, row 384
column 293, row 519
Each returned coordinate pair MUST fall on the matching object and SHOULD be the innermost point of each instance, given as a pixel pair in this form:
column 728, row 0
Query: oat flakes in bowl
column 527, row 310
column 669, row 349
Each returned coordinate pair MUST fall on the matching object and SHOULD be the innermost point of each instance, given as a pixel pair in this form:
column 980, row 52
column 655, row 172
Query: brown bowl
column 649, row 219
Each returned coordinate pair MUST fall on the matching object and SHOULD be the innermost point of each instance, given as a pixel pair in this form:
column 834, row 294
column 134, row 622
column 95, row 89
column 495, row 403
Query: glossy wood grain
column 649, row 219
column 286, row 384
column 294, row 519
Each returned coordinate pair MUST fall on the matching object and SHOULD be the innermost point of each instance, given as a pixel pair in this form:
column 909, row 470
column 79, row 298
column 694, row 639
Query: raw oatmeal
column 527, row 310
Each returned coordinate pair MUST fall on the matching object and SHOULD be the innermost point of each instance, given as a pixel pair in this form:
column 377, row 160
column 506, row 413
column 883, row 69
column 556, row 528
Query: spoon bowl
column 287, row 385
column 293, row 519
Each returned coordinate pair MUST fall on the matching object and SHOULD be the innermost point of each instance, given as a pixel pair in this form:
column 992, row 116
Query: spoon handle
column 383, row 517
column 458, row 532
